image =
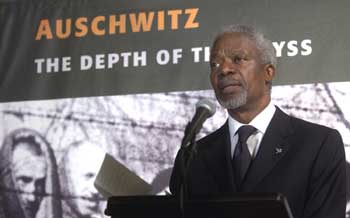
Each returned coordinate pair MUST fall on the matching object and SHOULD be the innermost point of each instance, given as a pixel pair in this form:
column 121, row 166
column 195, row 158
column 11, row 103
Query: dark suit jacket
column 302, row 160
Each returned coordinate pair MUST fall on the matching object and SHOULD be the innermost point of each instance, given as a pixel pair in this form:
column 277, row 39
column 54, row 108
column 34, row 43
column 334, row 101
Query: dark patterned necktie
column 241, row 156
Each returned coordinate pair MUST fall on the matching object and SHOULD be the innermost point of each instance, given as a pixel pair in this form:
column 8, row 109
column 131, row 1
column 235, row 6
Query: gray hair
column 264, row 45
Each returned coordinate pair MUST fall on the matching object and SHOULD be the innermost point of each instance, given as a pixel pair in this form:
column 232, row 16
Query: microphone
column 204, row 109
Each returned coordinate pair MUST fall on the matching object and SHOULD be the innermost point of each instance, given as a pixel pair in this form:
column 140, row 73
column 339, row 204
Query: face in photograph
column 29, row 172
column 84, row 162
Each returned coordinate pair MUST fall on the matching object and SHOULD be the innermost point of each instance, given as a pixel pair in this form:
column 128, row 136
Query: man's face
column 29, row 172
column 85, row 162
column 238, row 76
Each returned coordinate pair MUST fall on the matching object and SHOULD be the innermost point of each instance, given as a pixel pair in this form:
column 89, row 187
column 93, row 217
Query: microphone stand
column 187, row 154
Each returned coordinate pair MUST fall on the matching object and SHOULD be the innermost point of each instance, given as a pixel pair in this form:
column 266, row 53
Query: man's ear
column 269, row 72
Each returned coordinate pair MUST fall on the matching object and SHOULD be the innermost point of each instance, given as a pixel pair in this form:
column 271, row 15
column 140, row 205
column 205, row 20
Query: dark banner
column 58, row 49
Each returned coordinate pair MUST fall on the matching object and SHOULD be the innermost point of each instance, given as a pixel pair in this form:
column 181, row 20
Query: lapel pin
column 278, row 150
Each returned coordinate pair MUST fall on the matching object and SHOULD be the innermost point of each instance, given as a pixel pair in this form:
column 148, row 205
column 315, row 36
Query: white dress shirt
column 260, row 122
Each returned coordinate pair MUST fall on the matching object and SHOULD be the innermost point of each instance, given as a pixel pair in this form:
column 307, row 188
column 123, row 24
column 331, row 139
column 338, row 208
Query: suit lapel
column 272, row 149
column 217, row 159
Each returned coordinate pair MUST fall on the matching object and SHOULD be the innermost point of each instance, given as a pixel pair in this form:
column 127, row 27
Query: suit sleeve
column 176, row 175
column 327, row 183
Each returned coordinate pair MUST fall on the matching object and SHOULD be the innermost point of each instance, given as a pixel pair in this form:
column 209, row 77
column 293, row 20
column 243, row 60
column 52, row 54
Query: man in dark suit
column 260, row 148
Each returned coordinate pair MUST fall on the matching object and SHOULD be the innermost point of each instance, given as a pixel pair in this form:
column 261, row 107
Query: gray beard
column 234, row 102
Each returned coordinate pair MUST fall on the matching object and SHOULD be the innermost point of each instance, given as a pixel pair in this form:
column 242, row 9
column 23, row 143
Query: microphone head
column 207, row 104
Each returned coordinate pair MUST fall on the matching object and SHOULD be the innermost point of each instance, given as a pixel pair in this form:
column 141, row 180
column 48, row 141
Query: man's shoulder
column 308, row 129
column 302, row 125
column 299, row 124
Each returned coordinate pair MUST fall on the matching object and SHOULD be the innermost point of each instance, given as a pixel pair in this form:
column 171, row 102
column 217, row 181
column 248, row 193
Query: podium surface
column 239, row 206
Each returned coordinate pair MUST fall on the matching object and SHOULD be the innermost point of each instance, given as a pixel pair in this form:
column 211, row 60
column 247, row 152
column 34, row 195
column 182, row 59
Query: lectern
column 239, row 206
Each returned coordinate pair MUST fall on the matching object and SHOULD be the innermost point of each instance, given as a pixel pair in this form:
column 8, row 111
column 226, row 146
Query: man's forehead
column 229, row 36
column 228, row 52
column 231, row 43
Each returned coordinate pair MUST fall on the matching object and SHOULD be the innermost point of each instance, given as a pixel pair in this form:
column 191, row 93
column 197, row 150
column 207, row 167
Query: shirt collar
column 260, row 122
